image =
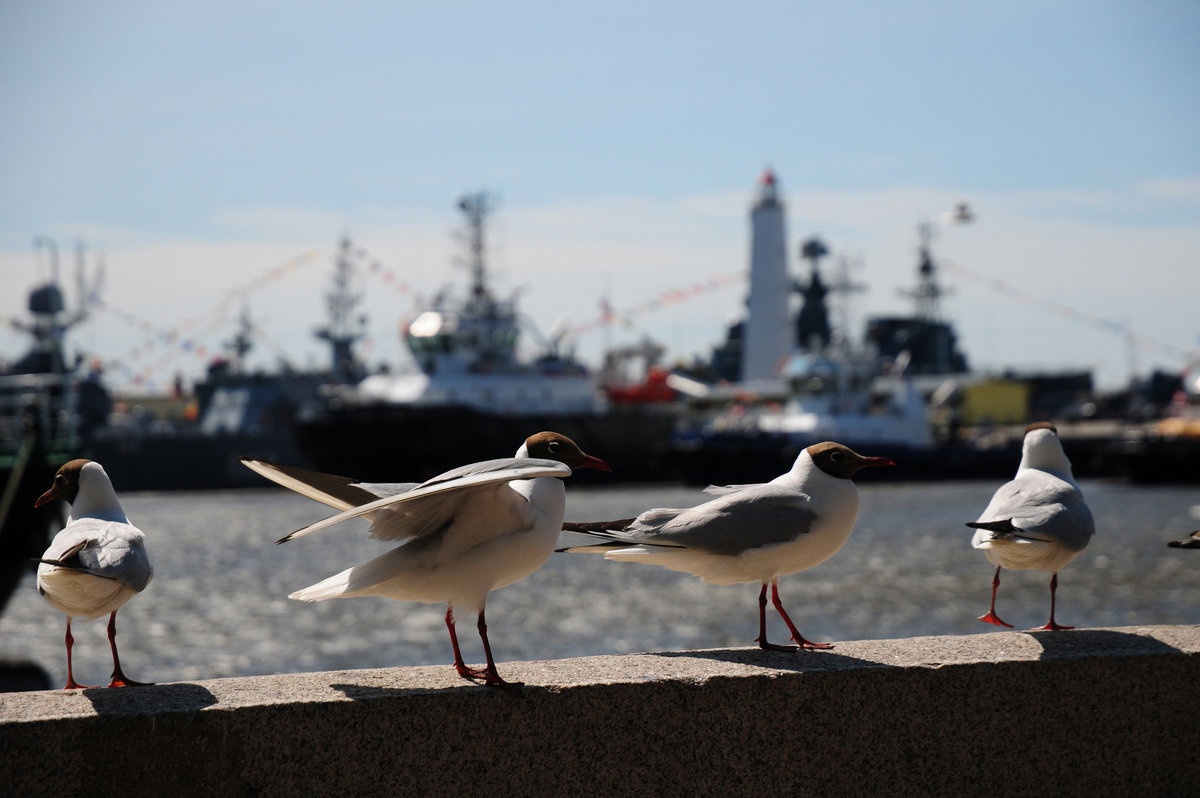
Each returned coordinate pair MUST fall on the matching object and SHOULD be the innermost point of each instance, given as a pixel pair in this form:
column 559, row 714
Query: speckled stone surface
column 1088, row 712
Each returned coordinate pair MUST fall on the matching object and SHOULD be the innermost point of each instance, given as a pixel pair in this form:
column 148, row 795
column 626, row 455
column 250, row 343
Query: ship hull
column 190, row 461
column 390, row 443
column 742, row 458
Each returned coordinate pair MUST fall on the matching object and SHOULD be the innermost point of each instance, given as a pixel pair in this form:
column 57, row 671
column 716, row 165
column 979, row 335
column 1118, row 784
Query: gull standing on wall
column 749, row 533
column 1038, row 521
column 97, row 562
column 463, row 533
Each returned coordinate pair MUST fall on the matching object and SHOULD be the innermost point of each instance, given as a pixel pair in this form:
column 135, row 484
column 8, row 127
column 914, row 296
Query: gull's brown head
column 842, row 461
column 66, row 484
column 555, row 446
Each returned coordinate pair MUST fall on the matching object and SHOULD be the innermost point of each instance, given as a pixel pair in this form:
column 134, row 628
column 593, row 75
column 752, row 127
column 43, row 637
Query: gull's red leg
column 490, row 675
column 118, row 677
column 71, row 683
column 807, row 645
column 991, row 616
column 459, row 665
column 1052, row 625
column 762, row 625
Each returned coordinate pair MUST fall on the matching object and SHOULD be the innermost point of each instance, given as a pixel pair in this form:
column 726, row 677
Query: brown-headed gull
column 464, row 533
column 749, row 533
column 97, row 562
column 1038, row 521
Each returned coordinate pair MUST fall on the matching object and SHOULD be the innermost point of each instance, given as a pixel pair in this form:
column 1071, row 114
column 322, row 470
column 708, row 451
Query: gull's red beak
column 591, row 462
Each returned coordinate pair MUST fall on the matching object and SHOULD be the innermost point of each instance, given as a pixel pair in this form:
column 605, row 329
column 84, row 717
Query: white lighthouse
column 766, row 340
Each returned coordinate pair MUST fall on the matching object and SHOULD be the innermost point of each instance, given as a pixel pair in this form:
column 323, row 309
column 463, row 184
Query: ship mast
column 489, row 324
column 476, row 207
column 344, row 327
column 51, row 319
column 243, row 340
column 812, row 322
column 929, row 292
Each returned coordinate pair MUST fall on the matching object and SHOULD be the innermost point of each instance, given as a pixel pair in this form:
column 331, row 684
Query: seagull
column 1192, row 541
column 97, row 562
column 463, row 534
column 749, row 533
column 1038, row 521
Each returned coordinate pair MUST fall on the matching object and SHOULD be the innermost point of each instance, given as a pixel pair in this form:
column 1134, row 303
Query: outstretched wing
column 331, row 489
column 430, row 506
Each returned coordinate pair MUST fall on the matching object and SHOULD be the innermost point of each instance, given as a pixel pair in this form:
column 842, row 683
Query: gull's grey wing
column 107, row 549
column 722, row 490
column 430, row 511
column 426, row 508
column 756, row 516
column 494, row 466
column 1039, row 505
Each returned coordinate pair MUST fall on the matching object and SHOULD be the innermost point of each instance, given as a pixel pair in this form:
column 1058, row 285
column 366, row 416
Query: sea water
column 218, row 604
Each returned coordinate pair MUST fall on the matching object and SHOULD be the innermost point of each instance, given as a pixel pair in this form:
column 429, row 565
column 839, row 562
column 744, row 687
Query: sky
column 211, row 155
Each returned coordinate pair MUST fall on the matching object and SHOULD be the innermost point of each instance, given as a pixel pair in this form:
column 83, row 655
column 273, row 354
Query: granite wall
column 1088, row 712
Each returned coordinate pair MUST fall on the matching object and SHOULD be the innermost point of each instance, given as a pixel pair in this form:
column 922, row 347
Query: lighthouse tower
column 767, row 336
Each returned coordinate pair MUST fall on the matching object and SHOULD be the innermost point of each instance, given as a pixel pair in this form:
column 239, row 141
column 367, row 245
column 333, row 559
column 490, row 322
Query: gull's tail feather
column 75, row 566
column 594, row 548
column 333, row 587
column 594, row 527
column 610, row 530
column 1001, row 527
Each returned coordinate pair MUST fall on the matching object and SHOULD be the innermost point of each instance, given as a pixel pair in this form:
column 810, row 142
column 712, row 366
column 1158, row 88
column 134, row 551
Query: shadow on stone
column 800, row 661
column 149, row 699
column 1073, row 643
column 20, row 677
column 366, row 692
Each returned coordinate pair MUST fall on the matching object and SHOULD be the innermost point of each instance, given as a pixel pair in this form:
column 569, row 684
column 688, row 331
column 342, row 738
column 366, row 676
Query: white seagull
column 1038, row 521
column 97, row 562
column 750, row 533
column 464, row 533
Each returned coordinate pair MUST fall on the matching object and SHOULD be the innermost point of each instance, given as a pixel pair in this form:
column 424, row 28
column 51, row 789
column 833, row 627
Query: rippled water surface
column 218, row 604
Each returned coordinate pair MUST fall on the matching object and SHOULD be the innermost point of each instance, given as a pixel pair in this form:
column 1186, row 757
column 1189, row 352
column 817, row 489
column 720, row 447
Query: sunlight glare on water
column 218, row 604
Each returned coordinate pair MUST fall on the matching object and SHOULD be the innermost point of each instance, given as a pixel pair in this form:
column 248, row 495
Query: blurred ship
column 472, row 396
column 1167, row 449
column 45, row 410
column 785, row 379
column 234, row 411
column 160, row 443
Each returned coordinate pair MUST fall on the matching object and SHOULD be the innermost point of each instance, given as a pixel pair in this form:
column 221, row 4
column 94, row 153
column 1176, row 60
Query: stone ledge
column 1088, row 712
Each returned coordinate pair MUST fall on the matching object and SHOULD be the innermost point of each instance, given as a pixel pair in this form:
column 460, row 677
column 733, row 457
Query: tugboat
column 472, row 397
